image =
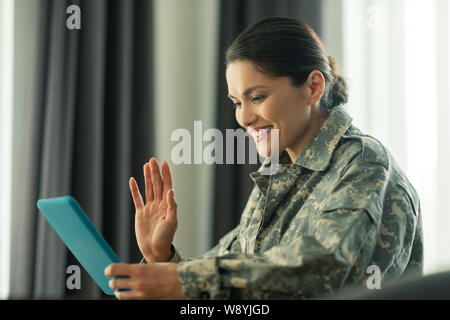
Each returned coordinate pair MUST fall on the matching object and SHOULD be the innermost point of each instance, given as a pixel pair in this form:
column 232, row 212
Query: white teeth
column 261, row 132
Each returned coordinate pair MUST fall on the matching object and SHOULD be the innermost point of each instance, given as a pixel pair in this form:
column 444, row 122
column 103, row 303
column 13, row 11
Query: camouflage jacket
column 316, row 225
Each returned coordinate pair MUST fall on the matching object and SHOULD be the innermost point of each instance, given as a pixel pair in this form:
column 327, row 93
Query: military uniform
column 316, row 225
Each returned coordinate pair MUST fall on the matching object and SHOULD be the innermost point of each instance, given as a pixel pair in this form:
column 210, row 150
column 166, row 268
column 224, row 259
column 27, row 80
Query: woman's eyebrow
column 248, row 91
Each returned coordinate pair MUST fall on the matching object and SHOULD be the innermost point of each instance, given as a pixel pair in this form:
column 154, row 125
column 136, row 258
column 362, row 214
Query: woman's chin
column 265, row 146
column 264, row 152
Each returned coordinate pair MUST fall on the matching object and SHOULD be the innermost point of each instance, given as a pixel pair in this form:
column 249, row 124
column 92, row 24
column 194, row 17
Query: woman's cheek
column 271, row 113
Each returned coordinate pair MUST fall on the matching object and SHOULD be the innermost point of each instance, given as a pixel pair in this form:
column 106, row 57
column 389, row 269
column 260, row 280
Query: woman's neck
column 318, row 118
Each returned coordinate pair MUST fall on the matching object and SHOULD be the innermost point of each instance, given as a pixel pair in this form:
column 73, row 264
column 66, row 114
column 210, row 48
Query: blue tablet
column 82, row 238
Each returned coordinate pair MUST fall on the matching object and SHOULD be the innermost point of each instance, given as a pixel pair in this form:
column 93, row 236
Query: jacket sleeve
column 336, row 249
column 309, row 265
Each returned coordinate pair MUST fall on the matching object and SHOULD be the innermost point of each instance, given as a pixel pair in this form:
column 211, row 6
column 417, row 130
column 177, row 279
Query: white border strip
column 6, row 119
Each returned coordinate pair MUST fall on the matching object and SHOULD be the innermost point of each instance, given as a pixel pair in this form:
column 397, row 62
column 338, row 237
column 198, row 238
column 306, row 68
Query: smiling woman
column 6, row 62
column 338, row 207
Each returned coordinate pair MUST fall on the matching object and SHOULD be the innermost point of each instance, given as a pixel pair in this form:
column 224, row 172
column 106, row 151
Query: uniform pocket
column 371, row 205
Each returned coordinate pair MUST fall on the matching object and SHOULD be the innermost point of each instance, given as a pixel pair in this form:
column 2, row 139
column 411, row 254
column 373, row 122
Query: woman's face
column 264, row 103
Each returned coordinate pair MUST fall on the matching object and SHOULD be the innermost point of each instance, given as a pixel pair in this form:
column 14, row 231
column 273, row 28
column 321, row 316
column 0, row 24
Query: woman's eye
column 257, row 98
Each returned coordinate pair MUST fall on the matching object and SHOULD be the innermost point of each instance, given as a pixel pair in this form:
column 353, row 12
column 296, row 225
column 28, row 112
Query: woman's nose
column 247, row 116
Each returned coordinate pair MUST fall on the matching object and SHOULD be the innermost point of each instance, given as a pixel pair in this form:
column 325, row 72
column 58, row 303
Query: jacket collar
column 317, row 154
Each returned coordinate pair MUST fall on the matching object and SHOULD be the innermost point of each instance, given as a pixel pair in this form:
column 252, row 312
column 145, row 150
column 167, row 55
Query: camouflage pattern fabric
column 316, row 225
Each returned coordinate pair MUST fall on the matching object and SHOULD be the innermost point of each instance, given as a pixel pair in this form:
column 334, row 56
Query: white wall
column 6, row 90
column 185, row 35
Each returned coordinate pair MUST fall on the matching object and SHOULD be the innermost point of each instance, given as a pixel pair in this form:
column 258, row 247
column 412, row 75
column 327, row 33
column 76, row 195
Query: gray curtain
column 83, row 126
column 232, row 182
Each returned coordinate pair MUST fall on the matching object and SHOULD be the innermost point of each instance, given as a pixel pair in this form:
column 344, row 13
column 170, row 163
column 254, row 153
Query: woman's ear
column 316, row 86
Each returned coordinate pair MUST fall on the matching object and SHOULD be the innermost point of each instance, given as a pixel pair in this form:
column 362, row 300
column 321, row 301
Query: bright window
column 396, row 59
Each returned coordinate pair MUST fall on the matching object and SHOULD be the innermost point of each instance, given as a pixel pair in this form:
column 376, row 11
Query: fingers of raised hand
column 149, row 195
column 167, row 177
column 156, row 179
column 137, row 198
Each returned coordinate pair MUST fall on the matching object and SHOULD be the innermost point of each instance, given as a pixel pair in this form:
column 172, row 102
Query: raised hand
column 156, row 220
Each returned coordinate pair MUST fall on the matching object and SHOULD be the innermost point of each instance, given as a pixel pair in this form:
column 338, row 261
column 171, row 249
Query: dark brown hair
column 282, row 47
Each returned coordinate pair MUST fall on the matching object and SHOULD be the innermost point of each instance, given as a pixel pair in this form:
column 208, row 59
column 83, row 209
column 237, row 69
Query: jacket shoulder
column 357, row 145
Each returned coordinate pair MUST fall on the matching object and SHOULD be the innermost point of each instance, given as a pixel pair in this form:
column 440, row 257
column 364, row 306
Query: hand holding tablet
column 155, row 223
